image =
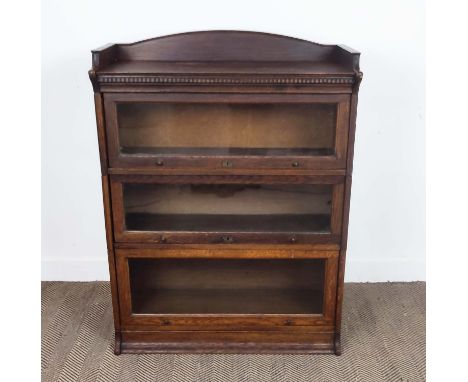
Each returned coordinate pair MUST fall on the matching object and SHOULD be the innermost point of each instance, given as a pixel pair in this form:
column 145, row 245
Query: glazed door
column 227, row 209
column 172, row 288
column 227, row 130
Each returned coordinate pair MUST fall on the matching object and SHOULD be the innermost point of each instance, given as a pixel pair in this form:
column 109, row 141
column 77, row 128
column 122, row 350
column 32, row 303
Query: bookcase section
column 226, row 162
column 227, row 130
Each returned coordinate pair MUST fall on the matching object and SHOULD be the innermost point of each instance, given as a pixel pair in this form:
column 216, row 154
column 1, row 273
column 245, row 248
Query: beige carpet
column 383, row 340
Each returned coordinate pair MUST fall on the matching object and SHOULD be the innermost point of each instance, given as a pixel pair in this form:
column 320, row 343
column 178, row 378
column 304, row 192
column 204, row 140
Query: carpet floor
column 383, row 338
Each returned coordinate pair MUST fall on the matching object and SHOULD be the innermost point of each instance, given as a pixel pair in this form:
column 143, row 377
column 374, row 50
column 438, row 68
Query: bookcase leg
column 337, row 344
column 117, row 343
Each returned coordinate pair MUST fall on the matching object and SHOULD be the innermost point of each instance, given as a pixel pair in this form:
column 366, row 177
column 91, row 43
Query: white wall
column 387, row 223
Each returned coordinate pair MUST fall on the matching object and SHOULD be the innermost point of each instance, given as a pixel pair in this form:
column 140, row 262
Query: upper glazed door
column 284, row 131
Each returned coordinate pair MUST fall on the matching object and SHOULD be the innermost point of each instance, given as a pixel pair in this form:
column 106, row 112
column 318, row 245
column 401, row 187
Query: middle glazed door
column 227, row 209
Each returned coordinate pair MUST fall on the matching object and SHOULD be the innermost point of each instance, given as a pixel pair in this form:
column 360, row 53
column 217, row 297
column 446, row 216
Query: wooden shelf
column 228, row 223
column 250, row 286
column 214, row 151
column 225, row 301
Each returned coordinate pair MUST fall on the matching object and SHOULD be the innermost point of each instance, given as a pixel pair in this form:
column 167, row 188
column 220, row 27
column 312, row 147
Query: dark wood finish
column 247, row 179
column 187, row 299
column 212, row 341
column 108, row 217
column 101, row 131
column 246, row 250
column 347, row 199
column 231, row 46
column 111, row 260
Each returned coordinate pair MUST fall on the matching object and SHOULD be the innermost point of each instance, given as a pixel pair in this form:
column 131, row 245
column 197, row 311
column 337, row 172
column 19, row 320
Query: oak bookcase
column 226, row 162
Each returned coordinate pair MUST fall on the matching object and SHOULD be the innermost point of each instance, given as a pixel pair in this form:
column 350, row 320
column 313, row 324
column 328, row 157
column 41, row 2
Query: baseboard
column 375, row 270
column 357, row 270
column 74, row 270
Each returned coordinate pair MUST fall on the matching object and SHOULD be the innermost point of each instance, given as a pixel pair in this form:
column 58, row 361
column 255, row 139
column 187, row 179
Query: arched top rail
column 224, row 52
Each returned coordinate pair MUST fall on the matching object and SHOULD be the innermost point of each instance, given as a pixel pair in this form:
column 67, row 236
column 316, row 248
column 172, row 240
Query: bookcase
column 226, row 161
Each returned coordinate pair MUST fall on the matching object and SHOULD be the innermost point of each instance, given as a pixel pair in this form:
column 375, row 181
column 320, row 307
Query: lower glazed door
column 221, row 288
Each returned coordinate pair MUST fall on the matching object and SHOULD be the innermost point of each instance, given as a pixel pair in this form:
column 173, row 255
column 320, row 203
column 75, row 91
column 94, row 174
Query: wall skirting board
column 358, row 270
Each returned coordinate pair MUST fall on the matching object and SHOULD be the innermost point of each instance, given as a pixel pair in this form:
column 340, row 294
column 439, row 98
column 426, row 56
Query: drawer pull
column 295, row 164
column 293, row 240
column 288, row 322
column 227, row 164
column 227, row 239
column 159, row 162
column 166, row 322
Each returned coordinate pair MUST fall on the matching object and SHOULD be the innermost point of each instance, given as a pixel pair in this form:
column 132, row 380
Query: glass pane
column 234, row 129
column 228, row 207
column 227, row 286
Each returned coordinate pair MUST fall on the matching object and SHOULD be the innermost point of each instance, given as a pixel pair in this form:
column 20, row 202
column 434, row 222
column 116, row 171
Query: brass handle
column 227, row 164
column 166, row 322
column 295, row 164
column 159, row 162
column 288, row 322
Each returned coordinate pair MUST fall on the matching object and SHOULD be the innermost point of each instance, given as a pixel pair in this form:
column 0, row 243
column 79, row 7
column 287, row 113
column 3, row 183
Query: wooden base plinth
column 226, row 342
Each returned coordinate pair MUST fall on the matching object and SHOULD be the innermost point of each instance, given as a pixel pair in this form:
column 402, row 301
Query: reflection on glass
column 235, row 129
column 227, row 286
column 228, row 207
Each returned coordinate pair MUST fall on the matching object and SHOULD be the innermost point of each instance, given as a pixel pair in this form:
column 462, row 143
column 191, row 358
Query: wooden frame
column 168, row 237
column 335, row 161
column 226, row 66
column 226, row 321
column 208, row 332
